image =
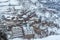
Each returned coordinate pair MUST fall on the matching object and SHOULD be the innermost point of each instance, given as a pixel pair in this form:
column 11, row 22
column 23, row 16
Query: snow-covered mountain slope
column 39, row 18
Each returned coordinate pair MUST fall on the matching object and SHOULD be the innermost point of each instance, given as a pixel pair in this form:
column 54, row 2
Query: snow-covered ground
column 52, row 37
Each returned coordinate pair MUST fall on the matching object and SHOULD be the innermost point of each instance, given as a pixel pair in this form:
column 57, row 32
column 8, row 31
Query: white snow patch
column 24, row 16
column 18, row 7
column 33, row 7
column 2, row 4
column 47, row 14
column 3, row 0
column 17, row 39
column 34, row 1
column 53, row 37
column 44, row 1
column 13, row 2
column 58, row 31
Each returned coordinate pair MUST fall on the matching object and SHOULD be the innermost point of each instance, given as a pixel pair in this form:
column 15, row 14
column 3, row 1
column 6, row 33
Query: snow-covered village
column 29, row 19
